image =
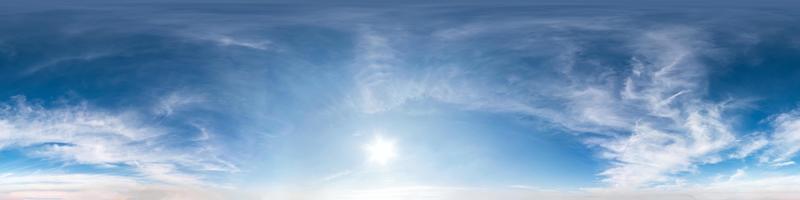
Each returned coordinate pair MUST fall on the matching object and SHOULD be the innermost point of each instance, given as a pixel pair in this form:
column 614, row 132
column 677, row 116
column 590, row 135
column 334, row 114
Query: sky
column 476, row 100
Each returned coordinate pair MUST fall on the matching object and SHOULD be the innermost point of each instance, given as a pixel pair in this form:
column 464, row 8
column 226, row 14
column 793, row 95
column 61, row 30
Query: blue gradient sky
column 257, row 100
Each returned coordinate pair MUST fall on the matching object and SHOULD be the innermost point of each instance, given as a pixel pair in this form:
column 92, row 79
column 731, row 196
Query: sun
column 381, row 151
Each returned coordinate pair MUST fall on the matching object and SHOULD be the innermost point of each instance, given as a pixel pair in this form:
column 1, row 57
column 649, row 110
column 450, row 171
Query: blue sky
column 257, row 100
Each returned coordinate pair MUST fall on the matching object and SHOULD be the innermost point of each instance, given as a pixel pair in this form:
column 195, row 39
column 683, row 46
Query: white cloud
column 229, row 41
column 174, row 101
column 726, row 190
column 782, row 164
column 82, row 57
column 784, row 141
column 336, row 175
column 651, row 155
column 482, row 28
column 229, row 38
column 385, row 82
column 101, row 186
column 85, row 135
column 737, row 175
column 752, row 145
column 654, row 118
column 676, row 129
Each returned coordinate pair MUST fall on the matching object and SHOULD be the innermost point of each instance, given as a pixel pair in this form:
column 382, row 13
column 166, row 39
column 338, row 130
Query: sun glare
column 381, row 151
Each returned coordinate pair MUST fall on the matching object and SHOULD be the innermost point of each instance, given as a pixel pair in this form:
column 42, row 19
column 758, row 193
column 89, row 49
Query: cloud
column 384, row 82
column 738, row 175
column 784, row 140
column 650, row 116
column 675, row 128
column 76, row 186
column 168, row 104
column 750, row 146
column 228, row 41
column 337, row 175
column 378, row 76
column 81, row 134
column 726, row 190
column 51, row 62
column 782, row 164
column 644, row 109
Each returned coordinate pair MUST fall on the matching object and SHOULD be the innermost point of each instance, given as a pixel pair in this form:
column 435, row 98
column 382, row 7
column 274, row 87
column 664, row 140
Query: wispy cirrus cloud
column 651, row 115
column 784, row 140
column 170, row 103
column 676, row 129
column 52, row 62
column 82, row 134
